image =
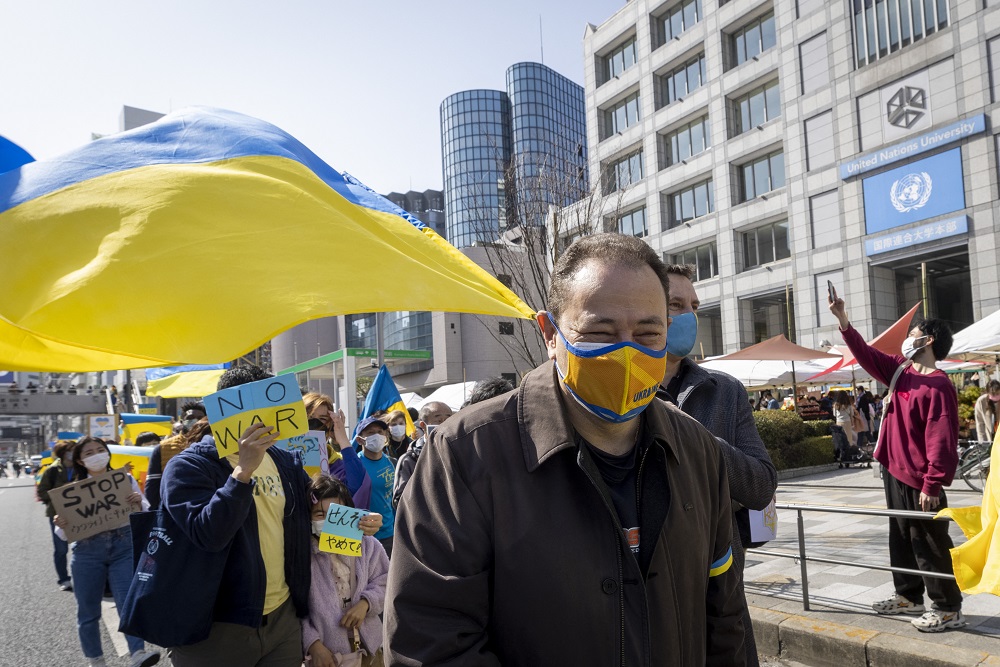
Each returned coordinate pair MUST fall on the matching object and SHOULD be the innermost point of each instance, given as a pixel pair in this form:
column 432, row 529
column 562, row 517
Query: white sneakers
column 936, row 620
column 897, row 604
column 144, row 658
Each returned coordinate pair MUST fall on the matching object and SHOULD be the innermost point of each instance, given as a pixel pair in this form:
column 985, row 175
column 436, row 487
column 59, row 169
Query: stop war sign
column 95, row 504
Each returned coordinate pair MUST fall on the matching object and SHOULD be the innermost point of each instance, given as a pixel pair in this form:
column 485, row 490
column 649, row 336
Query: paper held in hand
column 275, row 402
column 341, row 533
column 764, row 523
column 95, row 504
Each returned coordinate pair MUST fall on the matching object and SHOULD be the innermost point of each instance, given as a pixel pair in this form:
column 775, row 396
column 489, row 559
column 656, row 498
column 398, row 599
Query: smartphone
column 831, row 293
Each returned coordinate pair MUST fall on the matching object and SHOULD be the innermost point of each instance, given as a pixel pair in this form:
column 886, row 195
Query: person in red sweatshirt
column 919, row 451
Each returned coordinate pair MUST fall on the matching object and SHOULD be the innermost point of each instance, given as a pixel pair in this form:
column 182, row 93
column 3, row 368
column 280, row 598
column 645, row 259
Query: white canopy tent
column 452, row 395
column 979, row 340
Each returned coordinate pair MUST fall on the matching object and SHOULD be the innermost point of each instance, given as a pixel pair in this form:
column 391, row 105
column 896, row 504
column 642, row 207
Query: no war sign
column 275, row 402
column 95, row 504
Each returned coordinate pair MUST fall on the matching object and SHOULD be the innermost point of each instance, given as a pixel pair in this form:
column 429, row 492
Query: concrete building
column 508, row 155
column 779, row 144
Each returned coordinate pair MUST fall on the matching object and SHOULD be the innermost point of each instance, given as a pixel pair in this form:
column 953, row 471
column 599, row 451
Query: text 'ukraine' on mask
column 613, row 382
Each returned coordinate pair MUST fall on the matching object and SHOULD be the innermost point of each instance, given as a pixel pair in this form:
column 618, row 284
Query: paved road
column 37, row 620
column 844, row 594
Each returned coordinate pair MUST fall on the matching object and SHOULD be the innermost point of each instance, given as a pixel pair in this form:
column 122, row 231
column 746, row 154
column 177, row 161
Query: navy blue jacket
column 215, row 510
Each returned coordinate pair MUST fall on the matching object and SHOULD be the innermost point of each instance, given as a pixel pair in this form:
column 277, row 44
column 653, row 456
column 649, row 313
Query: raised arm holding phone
column 918, row 447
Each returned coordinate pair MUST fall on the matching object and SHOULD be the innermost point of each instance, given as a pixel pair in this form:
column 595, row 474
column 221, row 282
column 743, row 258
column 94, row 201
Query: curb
column 821, row 643
column 792, row 473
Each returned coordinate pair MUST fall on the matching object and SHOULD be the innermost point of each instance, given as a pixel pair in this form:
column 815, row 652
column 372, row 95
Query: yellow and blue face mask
column 613, row 382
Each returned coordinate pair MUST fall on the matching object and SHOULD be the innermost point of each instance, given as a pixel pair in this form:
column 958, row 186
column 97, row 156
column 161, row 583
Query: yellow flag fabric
column 137, row 456
column 187, row 384
column 132, row 431
column 977, row 562
column 235, row 211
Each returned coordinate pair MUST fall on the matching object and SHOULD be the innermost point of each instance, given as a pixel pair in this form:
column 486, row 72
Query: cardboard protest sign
column 275, row 402
column 95, row 504
column 312, row 447
column 341, row 534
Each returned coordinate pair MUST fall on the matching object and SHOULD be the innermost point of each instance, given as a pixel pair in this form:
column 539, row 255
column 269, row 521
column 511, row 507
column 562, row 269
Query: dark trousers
column 277, row 643
column 60, row 548
column 920, row 544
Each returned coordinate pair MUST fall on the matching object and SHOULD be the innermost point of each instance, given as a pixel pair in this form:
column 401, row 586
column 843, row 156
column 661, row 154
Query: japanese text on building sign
column 275, row 402
column 341, row 533
column 95, row 504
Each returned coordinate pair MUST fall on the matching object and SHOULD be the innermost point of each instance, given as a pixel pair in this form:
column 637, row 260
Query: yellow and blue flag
column 133, row 424
column 235, row 211
column 192, row 381
column 383, row 396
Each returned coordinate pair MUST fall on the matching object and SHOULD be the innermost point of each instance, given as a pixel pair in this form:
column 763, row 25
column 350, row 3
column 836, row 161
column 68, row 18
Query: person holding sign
column 104, row 558
column 251, row 505
column 348, row 591
column 578, row 520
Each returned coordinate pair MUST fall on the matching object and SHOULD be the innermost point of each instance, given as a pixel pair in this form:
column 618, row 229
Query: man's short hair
column 942, row 336
column 491, row 388
column 427, row 408
column 238, row 375
column 613, row 249
column 193, row 405
column 684, row 270
column 146, row 438
column 414, row 414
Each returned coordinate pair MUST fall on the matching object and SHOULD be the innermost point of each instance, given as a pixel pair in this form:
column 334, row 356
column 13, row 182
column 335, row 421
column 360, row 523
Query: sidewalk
column 840, row 629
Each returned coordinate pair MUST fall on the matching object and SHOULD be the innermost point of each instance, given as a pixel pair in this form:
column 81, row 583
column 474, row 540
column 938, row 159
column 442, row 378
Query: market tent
column 779, row 348
column 452, row 395
column 981, row 339
column 760, row 374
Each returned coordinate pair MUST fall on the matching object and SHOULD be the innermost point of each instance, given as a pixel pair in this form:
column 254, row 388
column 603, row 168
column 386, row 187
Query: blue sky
column 359, row 83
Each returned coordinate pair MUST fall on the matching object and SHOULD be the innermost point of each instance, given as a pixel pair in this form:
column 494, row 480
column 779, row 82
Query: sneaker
column 66, row 585
column 936, row 620
column 144, row 658
column 898, row 605
column 96, row 662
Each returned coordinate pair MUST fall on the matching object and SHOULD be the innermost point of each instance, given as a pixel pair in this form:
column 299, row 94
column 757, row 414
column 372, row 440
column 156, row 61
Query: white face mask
column 398, row 431
column 96, row 462
column 318, row 527
column 375, row 443
column 909, row 350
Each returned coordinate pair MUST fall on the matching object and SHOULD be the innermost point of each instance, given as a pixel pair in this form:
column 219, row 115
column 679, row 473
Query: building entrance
column 946, row 279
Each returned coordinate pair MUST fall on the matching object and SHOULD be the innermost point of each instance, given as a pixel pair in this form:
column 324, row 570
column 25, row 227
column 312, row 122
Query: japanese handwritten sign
column 312, row 447
column 341, row 534
column 275, row 402
column 95, row 504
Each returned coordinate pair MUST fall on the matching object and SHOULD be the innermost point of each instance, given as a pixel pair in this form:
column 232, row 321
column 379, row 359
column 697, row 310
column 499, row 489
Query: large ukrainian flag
column 216, row 206
column 184, row 381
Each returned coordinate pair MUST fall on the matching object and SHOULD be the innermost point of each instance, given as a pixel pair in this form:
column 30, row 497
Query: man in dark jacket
column 578, row 521
column 719, row 402
column 253, row 503
column 58, row 474
column 431, row 416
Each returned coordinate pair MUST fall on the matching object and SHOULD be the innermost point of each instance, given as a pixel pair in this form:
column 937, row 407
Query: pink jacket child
column 347, row 593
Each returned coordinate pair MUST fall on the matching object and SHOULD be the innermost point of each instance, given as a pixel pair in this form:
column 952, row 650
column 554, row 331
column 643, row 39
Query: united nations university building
column 779, row 144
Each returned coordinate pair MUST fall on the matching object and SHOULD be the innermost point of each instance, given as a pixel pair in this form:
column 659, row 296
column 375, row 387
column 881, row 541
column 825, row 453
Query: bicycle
column 974, row 463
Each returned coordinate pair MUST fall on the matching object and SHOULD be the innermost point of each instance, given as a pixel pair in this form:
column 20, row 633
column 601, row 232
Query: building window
column 622, row 173
column 682, row 80
column 684, row 142
column 822, row 301
column 756, row 107
column 762, row 175
column 703, row 258
column 506, row 328
column 824, row 218
column 679, row 18
column 814, row 63
column 622, row 115
column 633, row 223
column 690, row 203
column 618, row 61
column 993, row 54
column 753, row 39
column 882, row 27
column 765, row 245
column 819, row 141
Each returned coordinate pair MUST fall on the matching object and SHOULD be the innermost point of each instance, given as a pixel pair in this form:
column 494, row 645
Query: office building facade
column 508, row 155
column 780, row 144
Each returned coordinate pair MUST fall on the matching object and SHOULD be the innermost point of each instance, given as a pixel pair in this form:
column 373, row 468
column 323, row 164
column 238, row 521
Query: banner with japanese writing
column 341, row 533
column 95, row 504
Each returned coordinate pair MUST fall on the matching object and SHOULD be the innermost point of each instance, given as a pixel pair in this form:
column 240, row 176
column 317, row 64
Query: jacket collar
column 694, row 376
column 544, row 425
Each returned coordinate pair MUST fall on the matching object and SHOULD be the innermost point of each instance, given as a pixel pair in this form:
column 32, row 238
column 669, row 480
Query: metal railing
column 803, row 557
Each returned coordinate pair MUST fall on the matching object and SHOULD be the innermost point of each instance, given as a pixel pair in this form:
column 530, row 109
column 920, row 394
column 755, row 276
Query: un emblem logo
column 152, row 547
column 911, row 192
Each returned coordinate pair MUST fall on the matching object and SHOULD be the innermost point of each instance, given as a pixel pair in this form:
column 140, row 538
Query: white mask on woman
column 96, row 462
column 397, row 431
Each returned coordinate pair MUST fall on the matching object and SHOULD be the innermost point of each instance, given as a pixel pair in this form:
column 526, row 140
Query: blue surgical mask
column 681, row 334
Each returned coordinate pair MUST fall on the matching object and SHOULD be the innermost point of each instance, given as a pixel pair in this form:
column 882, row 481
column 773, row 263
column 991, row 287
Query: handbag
column 174, row 585
column 857, row 423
